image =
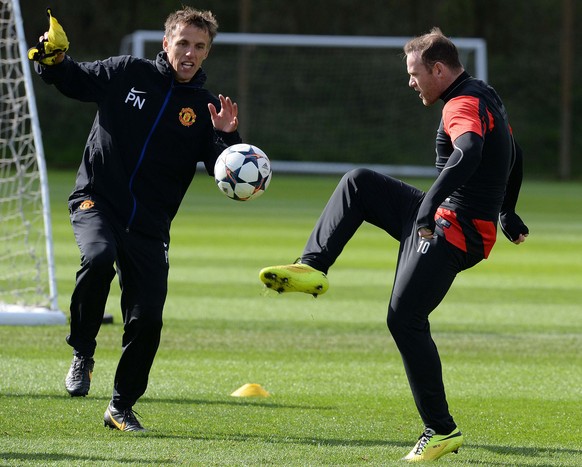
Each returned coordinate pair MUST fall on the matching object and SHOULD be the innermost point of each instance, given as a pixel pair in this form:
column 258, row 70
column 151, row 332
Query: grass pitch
column 509, row 333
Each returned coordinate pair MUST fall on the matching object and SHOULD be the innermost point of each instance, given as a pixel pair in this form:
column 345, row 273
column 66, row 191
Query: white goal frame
column 16, row 314
column 134, row 44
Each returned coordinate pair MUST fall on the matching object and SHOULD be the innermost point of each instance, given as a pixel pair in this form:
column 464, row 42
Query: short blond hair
column 204, row 20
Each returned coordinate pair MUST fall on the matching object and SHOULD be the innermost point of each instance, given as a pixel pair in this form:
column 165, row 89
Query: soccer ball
column 242, row 172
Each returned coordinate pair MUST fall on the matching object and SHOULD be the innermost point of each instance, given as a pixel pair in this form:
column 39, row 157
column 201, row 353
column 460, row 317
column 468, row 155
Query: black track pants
column 424, row 273
column 142, row 268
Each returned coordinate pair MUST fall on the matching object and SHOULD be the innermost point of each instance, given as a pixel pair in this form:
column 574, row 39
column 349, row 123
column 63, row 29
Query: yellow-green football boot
column 295, row 278
column 431, row 446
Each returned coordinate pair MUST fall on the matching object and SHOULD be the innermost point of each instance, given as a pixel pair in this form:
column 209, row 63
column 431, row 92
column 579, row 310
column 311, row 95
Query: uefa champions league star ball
column 242, row 172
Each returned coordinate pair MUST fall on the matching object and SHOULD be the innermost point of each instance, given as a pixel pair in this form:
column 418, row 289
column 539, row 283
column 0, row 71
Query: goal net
column 27, row 284
column 325, row 103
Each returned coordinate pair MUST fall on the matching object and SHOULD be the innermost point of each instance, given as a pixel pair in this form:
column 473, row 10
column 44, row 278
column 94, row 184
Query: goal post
column 323, row 104
column 28, row 292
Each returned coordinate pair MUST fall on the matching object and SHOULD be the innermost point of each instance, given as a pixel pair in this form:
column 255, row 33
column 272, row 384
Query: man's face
column 424, row 81
column 187, row 48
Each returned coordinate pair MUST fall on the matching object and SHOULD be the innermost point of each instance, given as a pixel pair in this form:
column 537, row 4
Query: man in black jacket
column 442, row 232
column 154, row 122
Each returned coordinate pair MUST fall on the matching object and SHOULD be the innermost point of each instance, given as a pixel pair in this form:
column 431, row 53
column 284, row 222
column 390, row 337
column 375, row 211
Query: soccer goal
column 28, row 293
column 325, row 104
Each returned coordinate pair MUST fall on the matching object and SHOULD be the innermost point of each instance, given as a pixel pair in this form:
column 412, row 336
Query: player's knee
column 403, row 325
column 394, row 322
column 98, row 256
column 145, row 320
column 356, row 183
column 152, row 323
column 359, row 177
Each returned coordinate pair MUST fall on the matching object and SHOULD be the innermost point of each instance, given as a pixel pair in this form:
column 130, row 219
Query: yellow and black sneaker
column 122, row 420
column 431, row 446
column 295, row 278
column 78, row 380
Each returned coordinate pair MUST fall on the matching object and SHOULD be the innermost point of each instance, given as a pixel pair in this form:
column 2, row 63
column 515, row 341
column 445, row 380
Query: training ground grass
column 509, row 333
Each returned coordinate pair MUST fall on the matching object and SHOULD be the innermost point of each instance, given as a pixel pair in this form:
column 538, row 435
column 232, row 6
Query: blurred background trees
column 532, row 51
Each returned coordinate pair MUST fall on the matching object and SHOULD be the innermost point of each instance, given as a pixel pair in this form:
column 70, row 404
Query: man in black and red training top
column 441, row 232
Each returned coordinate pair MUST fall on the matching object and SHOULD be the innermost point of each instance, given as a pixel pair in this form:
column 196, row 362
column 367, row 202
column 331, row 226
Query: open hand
column 226, row 120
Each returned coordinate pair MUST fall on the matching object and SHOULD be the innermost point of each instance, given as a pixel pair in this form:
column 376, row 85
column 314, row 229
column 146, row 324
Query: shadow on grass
column 234, row 401
column 237, row 401
column 531, row 451
column 279, row 439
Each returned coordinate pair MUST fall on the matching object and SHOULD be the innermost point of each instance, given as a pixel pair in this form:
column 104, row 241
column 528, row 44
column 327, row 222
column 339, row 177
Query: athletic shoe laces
column 81, row 367
column 423, row 440
column 78, row 368
column 129, row 417
column 130, row 420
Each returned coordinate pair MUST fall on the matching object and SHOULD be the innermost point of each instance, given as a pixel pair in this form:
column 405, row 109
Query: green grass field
column 509, row 333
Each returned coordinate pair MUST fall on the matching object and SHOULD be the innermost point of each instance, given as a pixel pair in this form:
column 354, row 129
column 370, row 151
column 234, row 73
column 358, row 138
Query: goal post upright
column 49, row 312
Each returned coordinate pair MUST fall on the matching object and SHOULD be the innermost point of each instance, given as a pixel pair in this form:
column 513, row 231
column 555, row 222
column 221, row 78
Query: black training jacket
column 148, row 135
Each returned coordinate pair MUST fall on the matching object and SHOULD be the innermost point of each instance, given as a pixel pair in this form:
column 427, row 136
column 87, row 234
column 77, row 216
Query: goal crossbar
column 133, row 43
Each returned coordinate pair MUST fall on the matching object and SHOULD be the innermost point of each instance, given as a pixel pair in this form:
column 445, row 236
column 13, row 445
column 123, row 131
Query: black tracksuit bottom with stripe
column 142, row 268
column 424, row 273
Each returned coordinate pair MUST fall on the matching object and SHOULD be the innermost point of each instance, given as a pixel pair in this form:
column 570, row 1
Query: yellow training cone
column 250, row 390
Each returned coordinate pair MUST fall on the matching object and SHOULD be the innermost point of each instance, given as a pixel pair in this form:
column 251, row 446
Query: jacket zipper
column 141, row 158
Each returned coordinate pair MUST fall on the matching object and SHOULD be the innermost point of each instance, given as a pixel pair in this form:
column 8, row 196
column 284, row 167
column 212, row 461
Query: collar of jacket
column 164, row 68
column 448, row 93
